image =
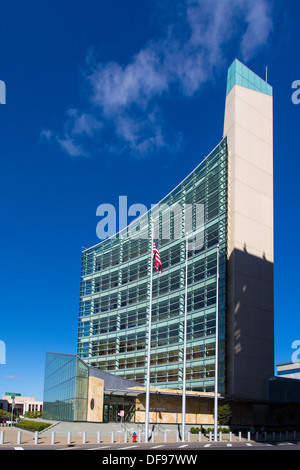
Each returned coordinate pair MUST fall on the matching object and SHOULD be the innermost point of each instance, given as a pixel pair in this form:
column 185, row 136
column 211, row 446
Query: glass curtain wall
column 115, row 287
column 65, row 388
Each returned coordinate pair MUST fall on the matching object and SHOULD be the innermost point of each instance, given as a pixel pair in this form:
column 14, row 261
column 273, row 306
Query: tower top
column 239, row 74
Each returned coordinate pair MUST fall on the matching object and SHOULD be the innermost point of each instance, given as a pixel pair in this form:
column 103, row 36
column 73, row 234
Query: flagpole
column 149, row 343
column 184, row 342
column 216, row 351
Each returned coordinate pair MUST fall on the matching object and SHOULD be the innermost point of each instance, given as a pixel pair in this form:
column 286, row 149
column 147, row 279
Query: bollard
column 153, row 436
column 189, row 436
column 98, row 437
column 112, row 437
column 1, row 437
column 53, row 437
column 83, row 437
column 177, row 436
column 210, row 435
column 230, row 436
column 125, row 436
column 240, row 435
column 165, row 438
column 139, row 436
column 249, row 436
column 36, row 437
column 200, row 436
column 19, row 437
column 220, row 436
column 69, row 437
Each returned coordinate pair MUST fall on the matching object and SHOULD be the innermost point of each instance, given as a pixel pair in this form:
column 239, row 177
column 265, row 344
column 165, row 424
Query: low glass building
column 73, row 391
column 65, row 387
column 115, row 287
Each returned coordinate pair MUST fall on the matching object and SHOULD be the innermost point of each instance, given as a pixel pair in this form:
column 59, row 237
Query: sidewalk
column 10, row 437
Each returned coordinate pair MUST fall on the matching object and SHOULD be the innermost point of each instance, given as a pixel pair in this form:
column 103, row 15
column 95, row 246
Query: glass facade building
column 115, row 288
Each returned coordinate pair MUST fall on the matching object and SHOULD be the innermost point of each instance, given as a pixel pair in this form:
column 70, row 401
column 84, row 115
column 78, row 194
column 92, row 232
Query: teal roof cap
column 239, row 74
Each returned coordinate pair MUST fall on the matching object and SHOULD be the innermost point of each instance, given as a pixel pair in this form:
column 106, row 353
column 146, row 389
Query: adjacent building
column 21, row 404
column 290, row 370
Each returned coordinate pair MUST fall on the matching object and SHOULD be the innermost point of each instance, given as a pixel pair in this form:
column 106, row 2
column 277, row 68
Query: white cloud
column 115, row 88
column 77, row 127
column 258, row 30
column 71, row 147
column 126, row 98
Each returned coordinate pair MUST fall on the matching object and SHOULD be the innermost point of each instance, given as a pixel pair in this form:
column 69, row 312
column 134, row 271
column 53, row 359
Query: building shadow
column 249, row 325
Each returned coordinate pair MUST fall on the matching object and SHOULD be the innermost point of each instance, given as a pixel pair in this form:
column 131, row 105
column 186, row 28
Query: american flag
column 158, row 264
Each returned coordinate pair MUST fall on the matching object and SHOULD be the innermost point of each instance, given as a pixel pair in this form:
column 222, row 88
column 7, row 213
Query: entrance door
column 111, row 412
column 106, row 413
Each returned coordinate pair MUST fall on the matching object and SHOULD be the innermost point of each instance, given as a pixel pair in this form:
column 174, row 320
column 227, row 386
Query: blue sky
column 109, row 98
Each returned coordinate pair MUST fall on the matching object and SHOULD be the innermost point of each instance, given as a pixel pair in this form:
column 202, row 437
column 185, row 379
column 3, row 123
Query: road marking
column 70, row 448
column 185, row 445
column 156, row 447
column 229, row 445
column 207, row 445
column 18, row 448
column 124, row 448
column 250, row 445
column 99, row 448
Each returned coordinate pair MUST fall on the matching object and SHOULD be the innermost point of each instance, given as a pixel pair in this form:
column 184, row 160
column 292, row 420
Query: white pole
column 149, row 343
column 217, row 350
column 184, row 342
column 12, row 414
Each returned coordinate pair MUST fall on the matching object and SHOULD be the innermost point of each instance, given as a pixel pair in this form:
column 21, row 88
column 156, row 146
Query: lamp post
column 12, row 414
column 147, row 406
column 184, row 341
column 217, row 350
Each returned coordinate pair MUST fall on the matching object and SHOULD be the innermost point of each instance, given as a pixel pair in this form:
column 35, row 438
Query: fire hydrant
column 134, row 437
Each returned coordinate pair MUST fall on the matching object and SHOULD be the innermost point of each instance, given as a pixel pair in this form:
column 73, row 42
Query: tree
column 5, row 415
column 224, row 415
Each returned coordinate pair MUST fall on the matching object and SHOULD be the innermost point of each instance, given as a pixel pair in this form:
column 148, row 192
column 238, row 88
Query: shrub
column 197, row 430
column 32, row 425
column 220, row 429
column 33, row 414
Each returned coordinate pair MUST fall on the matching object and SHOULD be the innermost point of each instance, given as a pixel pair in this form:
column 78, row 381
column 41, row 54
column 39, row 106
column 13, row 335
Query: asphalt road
column 164, row 449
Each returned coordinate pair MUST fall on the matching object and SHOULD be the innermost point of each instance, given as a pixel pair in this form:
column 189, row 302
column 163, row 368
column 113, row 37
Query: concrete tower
column 248, row 126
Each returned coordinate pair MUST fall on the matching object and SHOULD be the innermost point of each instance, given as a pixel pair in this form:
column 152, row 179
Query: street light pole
column 217, row 350
column 147, row 405
column 12, row 414
column 184, row 342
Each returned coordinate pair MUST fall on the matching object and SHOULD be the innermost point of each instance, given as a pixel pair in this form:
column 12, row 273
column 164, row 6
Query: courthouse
column 226, row 206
